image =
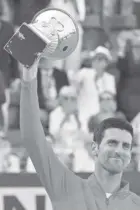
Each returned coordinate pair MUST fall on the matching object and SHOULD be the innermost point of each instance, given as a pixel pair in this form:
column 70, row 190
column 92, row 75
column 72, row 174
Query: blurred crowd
column 74, row 94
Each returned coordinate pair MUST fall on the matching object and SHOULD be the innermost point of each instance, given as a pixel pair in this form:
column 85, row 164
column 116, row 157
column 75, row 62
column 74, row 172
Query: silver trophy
column 52, row 34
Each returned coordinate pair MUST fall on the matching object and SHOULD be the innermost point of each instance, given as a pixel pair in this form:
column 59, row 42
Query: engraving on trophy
column 57, row 25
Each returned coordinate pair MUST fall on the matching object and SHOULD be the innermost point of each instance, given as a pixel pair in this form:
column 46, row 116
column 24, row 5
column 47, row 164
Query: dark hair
column 111, row 123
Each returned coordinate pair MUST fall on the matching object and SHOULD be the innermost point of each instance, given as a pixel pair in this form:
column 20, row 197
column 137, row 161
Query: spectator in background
column 67, row 130
column 64, row 125
column 60, row 78
column 64, row 121
column 51, row 78
column 128, row 88
column 91, row 82
column 56, row 74
column 108, row 107
column 9, row 72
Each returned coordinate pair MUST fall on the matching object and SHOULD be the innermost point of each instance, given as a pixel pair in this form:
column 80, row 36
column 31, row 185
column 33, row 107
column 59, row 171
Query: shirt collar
column 98, row 190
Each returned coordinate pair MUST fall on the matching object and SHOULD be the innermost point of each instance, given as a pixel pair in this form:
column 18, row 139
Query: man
column 104, row 189
column 108, row 108
column 66, row 114
column 91, row 82
column 56, row 75
column 66, row 129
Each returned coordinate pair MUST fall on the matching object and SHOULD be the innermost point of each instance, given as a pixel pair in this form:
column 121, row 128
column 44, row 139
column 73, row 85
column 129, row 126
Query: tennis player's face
column 115, row 150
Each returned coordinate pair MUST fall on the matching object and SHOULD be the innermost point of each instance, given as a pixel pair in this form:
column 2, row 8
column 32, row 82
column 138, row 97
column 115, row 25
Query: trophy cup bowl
column 52, row 34
column 59, row 31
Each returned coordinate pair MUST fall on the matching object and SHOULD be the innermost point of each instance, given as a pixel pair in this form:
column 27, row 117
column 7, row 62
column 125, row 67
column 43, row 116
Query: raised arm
column 55, row 177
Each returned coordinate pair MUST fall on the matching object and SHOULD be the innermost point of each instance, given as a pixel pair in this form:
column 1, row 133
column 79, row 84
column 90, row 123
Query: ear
column 95, row 149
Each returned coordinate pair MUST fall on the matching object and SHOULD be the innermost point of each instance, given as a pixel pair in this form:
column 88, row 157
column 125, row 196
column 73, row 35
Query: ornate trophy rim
column 60, row 10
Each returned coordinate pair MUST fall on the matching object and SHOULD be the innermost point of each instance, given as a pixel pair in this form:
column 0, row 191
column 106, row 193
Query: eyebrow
column 112, row 140
column 115, row 140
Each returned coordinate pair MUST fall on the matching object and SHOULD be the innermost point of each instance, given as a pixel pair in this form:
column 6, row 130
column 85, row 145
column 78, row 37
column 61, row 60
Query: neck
column 109, row 182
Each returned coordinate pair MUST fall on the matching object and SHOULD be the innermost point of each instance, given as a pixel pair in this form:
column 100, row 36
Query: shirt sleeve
column 55, row 177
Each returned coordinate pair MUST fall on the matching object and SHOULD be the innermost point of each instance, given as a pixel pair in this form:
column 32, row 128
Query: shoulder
column 135, row 199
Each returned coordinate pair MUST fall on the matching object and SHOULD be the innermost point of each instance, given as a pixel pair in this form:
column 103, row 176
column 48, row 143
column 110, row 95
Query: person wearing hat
column 101, row 58
column 66, row 113
column 64, row 124
column 91, row 82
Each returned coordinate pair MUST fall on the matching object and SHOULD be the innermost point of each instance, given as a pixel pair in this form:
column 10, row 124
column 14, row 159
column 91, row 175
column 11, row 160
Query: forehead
column 100, row 57
column 117, row 134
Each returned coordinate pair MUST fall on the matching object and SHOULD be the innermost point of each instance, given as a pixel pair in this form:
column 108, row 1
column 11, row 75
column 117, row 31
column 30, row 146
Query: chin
column 114, row 170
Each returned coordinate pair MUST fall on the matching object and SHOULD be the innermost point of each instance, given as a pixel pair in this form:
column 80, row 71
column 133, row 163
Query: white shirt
column 88, row 99
column 68, row 132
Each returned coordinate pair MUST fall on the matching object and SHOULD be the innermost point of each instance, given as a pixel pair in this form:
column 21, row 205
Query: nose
column 119, row 149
